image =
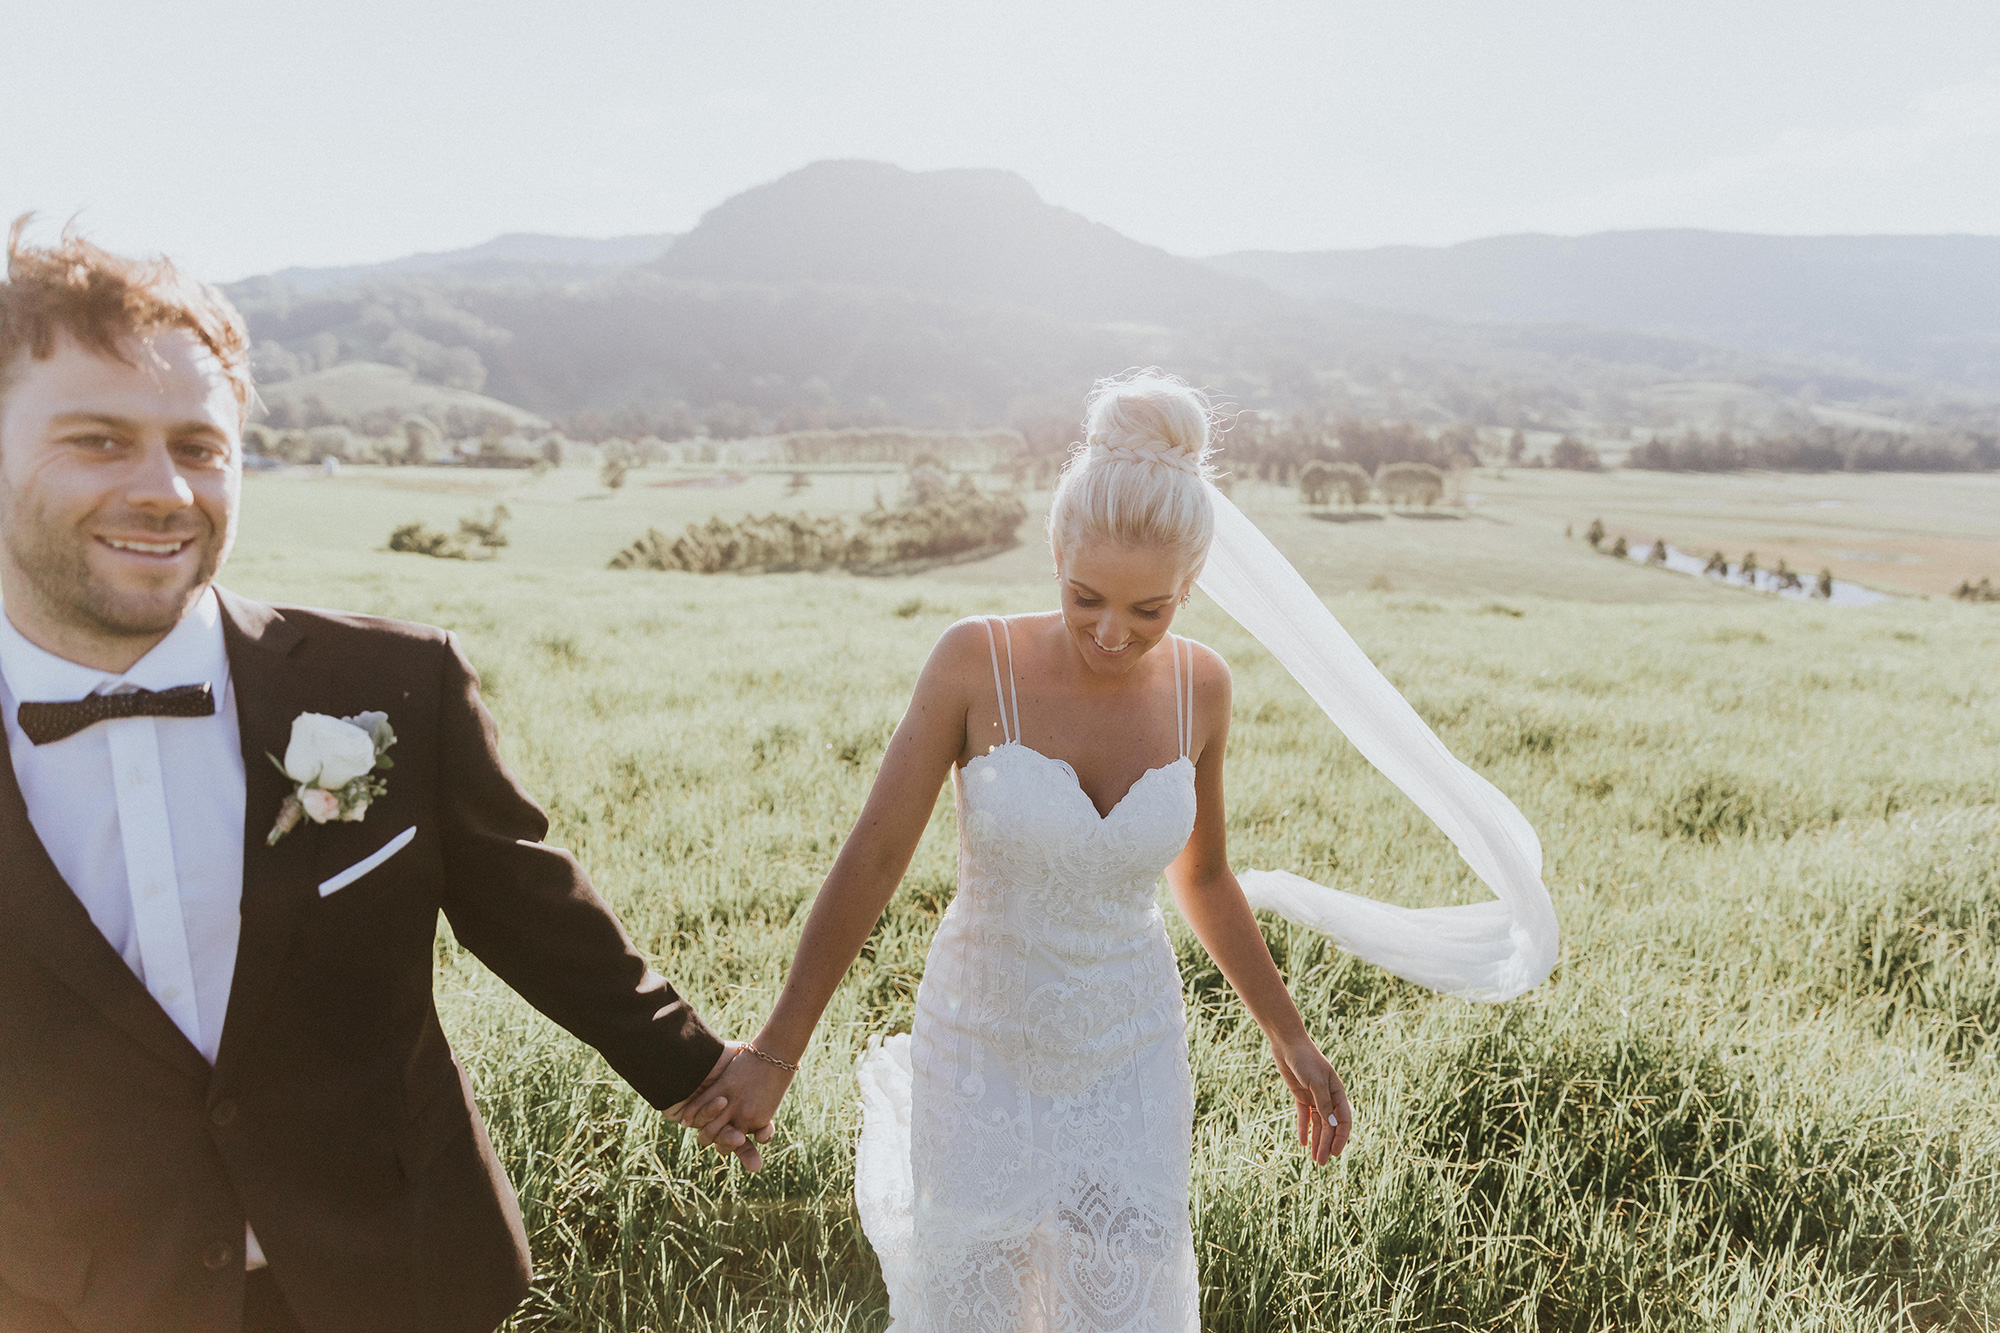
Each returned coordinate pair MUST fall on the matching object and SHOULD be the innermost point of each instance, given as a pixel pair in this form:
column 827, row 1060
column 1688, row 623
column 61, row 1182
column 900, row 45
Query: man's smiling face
column 119, row 487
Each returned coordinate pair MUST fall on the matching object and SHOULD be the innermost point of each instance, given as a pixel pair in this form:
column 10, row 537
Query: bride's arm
column 930, row 738
column 1212, row 901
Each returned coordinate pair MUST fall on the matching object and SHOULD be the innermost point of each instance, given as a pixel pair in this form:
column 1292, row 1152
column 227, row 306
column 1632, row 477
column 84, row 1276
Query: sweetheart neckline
column 1076, row 783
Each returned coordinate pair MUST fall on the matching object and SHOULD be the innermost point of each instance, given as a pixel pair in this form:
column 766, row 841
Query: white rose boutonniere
column 332, row 762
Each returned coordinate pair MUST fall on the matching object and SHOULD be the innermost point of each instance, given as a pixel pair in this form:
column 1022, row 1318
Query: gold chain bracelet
column 770, row 1059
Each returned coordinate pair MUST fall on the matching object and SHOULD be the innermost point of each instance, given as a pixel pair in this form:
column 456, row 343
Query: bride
column 1024, row 1155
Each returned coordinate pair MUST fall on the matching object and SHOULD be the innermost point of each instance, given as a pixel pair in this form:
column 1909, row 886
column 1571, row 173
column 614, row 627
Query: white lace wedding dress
column 1023, row 1160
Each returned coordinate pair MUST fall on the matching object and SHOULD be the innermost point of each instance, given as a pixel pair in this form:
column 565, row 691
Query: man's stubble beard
column 57, row 569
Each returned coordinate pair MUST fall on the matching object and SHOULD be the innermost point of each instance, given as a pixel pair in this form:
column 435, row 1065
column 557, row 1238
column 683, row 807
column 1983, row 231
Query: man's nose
column 155, row 484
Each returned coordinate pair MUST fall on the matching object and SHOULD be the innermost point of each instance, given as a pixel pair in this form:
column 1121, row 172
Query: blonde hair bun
column 1140, row 478
column 1148, row 416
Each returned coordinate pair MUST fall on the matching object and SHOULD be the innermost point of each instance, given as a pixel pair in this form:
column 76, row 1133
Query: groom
column 225, row 1099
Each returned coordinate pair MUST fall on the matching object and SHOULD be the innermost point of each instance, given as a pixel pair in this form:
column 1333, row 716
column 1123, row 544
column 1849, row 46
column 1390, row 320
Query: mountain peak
column 958, row 234
column 870, row 178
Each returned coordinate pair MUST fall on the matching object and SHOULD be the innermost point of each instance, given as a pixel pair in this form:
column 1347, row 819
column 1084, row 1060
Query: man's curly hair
column 101, row 299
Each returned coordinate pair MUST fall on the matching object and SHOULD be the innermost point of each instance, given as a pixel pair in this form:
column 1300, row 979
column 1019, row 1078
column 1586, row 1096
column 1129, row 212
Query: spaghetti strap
column 1183, row 719
column 1013, row 693
column 1191, row 697
column 1009, row 732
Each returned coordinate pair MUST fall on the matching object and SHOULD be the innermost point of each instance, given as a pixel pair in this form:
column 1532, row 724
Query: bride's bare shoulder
column 1209, row 665
column 1211, row 678
column 964, row 649
column 976, row 638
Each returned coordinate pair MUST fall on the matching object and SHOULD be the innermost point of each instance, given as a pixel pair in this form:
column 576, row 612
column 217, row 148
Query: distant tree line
column 411, row 439
column 902, row 445
column 455, row 422
column 1276, row 449
column 1823, row 448
column 810, row 409
column 1405, row 484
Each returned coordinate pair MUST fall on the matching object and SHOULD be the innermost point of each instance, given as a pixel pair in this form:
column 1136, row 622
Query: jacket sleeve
column 528, row 911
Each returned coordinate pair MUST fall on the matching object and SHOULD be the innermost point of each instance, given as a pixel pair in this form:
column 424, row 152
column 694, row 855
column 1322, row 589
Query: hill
column 358, row 390
column 517, row 255
column 860, row 294
column 847, row 293
column 1907, row 306
column 980, row 237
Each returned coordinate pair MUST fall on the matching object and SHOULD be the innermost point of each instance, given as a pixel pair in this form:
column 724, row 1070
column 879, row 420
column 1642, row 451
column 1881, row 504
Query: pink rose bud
column 320, row 805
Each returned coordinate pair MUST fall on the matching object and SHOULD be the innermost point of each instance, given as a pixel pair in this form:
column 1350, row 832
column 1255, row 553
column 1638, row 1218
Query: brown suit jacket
column 336, row 1120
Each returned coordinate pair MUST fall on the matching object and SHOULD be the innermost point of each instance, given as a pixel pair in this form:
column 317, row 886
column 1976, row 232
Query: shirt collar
column 192, row 652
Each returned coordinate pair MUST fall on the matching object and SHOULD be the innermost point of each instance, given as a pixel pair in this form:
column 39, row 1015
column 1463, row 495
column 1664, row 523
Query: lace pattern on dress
column 1024, row 1155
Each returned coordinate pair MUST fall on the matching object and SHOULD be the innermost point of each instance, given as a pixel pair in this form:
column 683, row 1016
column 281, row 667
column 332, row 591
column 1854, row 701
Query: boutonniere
column 332, row 762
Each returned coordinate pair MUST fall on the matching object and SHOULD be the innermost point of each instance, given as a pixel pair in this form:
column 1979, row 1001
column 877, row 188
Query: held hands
column 733, row 1109
column 1325, row 1118
column 729, row 1139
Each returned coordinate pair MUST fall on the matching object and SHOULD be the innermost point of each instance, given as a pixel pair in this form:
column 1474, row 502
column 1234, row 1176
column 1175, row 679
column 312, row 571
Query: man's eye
column 94, row 443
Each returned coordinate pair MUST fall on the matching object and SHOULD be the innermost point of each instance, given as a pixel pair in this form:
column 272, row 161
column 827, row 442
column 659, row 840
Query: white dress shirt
column 144, row 817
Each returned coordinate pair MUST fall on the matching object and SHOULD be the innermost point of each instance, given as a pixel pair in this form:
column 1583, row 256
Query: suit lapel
column 56, row 928
column 275, row 678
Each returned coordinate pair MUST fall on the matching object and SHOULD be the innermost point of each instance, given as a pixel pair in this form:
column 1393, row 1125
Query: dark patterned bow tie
column 53, row 722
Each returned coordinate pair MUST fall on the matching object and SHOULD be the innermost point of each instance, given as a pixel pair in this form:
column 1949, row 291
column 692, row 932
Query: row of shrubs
column 1784, row 577
column 476, row 539
column 1823, row 448
column 930, row 526
column 1321, row 483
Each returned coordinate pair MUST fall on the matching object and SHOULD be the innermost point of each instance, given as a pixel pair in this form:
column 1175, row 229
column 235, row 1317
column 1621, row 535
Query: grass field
column 1918, row 535
column 1761, row 1092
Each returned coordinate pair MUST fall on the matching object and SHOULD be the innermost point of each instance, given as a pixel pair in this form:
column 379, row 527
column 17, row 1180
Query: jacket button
column 218, row 1255
column 222, row 1112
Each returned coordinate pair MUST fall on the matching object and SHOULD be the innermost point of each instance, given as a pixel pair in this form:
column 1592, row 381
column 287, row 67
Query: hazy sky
column 245, row 137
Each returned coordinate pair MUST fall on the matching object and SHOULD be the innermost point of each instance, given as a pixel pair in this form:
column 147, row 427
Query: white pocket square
column 367, row 863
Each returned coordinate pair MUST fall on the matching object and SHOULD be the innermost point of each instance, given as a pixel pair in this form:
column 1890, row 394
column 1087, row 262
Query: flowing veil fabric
column 1483, row 951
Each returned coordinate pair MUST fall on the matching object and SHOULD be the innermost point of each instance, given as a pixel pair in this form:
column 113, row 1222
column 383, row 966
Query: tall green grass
column 1761, row 1092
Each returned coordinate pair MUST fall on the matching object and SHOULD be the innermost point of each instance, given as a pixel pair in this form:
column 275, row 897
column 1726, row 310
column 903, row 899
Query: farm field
column 1761, row 1092
column 1908, row 533
column 1914, row 535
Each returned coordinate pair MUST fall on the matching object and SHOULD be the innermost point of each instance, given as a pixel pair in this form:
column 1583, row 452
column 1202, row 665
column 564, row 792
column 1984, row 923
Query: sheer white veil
column 1481, row 951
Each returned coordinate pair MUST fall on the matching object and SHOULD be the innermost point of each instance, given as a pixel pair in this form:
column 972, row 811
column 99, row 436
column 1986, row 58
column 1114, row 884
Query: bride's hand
column 679, row 1109
column 733, row 1113
column 1325, row 1118
column 683, row 1112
